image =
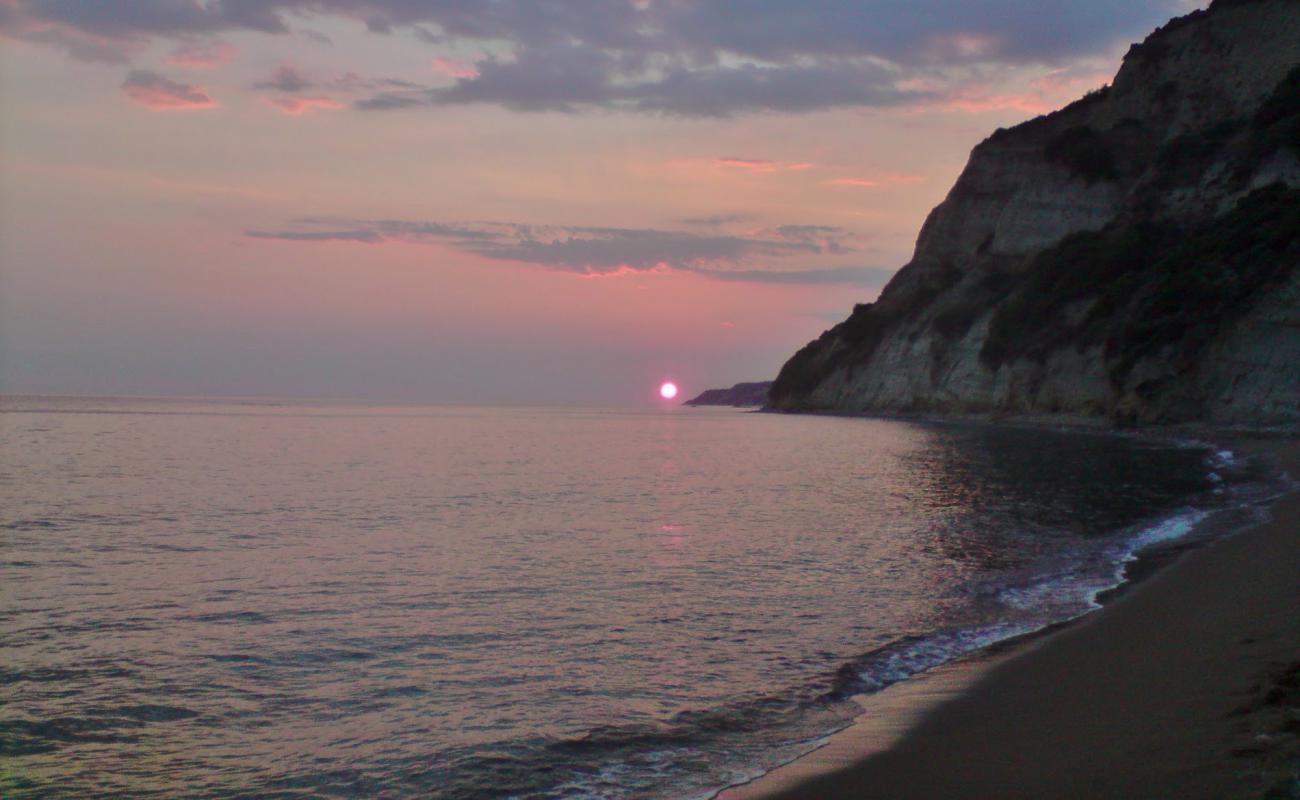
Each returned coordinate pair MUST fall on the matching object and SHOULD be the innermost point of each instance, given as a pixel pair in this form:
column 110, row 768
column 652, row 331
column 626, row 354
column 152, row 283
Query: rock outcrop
column 742, row 394
column 1133, row 256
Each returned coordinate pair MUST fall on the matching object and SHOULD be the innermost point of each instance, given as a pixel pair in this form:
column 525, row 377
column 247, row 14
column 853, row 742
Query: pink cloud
column 761, row 165
column 297, row 106
column 153, row 91
column 201, row 55
column 975, row 99
column 963, row 45
column 1041, row 96
column 16, row 26
column 862, row 183
column 1065, row 84
column 622, row 271
column 453, row 68
column 874, row 183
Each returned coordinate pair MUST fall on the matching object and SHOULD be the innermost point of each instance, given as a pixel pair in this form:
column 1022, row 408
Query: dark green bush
column 955, row 322
column 1277, row 122
column 1185, row 157
column 1151, row 286
column 1085, row 152
column 1030, row 322
column 1209, row 278
column 859, row 334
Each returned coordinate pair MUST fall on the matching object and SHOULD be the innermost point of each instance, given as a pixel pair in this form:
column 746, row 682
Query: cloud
column 201, row 54
column 1041, row 95
column 153, row 91
column 367, row 237
column 286, row 79
column 717, row 220
column 1066, row 84
column 297, row 105
column 874, row 182
column 84, row 45
column 599, row 250
column 694, row 59
column 915, row 31
column 899, row 30
column 565, row 78
column 568, row 78
column 752, row 88
column 861, row 183
column 847, row 276
column 453, row 68
column 352, row 82
column 289, row 86
column 761, row 164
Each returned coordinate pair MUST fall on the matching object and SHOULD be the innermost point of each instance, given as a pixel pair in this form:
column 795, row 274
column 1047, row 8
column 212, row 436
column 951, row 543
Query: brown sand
column 1187, row 686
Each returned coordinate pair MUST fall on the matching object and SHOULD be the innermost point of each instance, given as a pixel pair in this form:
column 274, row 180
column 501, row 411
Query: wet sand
column 1186, row 686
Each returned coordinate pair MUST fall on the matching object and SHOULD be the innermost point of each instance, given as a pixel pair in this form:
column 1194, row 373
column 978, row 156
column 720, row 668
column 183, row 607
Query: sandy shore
column 1187, row 686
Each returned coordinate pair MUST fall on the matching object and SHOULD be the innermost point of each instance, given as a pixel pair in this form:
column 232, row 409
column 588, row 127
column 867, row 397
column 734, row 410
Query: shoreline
column 1209, row 434
column 1185, row 683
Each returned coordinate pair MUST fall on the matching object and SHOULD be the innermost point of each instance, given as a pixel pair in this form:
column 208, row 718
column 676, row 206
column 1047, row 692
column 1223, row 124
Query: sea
column 209, row 598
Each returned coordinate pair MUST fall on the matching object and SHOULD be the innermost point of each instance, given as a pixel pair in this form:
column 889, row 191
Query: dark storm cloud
column 599, row 250
column 714, row 58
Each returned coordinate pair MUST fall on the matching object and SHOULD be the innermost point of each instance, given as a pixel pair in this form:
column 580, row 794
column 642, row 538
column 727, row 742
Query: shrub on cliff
column 1277, row 122
column 1085, row 152
column 1150, row 286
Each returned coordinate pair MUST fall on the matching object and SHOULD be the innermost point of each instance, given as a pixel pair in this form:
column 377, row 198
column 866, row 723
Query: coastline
column 1185, row 684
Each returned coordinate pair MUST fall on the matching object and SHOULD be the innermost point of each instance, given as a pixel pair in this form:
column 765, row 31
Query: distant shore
column 1187, row 686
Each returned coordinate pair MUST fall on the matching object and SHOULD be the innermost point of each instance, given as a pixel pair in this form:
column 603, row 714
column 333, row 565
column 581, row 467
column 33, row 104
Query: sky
column 487, row 201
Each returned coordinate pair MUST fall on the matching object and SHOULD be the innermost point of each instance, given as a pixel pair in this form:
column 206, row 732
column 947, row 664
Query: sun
column 668, row 391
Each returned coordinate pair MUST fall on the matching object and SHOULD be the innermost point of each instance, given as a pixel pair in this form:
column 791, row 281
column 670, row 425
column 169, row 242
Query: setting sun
column 668, row 391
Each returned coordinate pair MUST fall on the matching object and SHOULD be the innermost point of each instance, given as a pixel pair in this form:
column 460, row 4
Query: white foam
column 1074, row 589
column 1166, row 530
column 939, row 648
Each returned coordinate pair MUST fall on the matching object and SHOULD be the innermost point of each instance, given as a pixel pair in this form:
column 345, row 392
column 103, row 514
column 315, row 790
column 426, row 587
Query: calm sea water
column 239, row 599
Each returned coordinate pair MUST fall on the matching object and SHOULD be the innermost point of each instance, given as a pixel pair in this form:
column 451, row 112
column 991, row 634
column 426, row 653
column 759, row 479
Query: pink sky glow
column 508, row 203
column 301, row 105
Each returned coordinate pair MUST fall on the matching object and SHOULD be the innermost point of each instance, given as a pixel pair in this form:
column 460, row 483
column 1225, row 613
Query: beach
column 1187, row 685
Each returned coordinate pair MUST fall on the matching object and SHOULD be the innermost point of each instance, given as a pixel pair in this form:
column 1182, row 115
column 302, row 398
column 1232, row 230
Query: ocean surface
column 221, row 599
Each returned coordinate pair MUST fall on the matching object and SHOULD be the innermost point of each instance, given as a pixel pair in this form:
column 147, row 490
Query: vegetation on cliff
column 1149, row 286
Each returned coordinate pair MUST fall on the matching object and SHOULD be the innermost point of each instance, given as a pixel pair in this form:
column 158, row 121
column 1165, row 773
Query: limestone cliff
column 1132, row 256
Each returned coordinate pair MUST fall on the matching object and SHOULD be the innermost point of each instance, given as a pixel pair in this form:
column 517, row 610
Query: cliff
column 742, row 394
column 1133, row 256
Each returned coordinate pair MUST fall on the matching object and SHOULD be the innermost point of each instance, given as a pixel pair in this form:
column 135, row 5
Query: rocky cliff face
column 741, row 394
column 1132, row 256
